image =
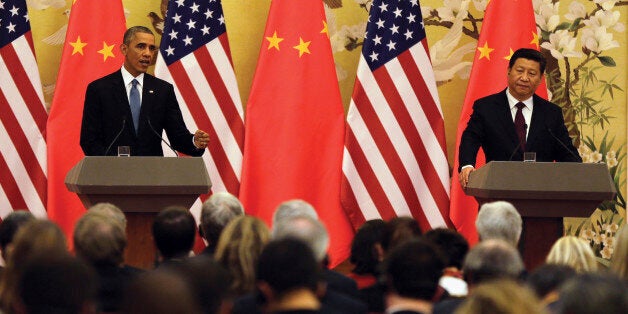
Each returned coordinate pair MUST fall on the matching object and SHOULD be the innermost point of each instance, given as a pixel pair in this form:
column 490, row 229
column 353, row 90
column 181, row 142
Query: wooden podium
column 543, row 193
column 141, row 187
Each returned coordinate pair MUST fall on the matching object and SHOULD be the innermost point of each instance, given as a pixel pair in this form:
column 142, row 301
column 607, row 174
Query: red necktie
column 520, row 125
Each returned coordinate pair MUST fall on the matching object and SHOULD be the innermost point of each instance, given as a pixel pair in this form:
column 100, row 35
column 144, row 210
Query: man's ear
column 124, row 49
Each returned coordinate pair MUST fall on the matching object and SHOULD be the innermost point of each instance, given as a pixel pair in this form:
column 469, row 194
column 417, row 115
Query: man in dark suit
column 132, row 108
column 516, row 120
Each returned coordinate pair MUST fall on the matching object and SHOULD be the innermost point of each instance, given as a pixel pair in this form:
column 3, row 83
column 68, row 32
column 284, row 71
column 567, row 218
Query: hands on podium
column 463, row 176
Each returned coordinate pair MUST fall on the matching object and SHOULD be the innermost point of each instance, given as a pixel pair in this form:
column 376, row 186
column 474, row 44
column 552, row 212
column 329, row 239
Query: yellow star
column 274, row 41
column 106, row 51
column 535, row 39
column 78, row 46
column 324, row 30
column 302, row 47
column 485, row 52
column 509, row 55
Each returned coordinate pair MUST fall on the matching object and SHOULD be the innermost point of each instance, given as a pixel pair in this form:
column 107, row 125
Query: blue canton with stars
column 393, row 27
column 13, row 21
column 190, row 24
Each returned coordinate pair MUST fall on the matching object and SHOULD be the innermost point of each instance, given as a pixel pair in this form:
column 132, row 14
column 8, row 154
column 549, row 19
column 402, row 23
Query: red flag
column 91, row 50
column 508, row 26
column 395, row 161
column 22, row 116
column 295, row 122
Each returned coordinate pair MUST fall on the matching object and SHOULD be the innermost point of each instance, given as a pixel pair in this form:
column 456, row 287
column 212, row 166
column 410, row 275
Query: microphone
column 525, row 130
column 117, row 135
column 576, row 157
column 161, row 138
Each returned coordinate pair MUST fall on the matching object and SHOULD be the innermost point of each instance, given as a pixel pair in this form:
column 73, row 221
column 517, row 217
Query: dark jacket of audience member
column 592, row 293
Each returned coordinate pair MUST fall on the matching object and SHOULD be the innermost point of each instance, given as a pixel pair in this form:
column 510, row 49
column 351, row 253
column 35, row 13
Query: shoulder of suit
column 111, row 77
column 490, row 100
column 151, row 79
column 540, row 102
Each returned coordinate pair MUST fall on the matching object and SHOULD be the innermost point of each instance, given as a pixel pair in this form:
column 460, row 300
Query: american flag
column 195, row 57
column 22, row 115
column 395, row 161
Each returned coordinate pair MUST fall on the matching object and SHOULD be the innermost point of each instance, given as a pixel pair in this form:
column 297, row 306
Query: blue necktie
column 136, row 104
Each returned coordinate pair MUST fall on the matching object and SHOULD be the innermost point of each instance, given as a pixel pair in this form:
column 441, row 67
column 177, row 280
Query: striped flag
column 22, row 116
column 195, row 57
column 395, row 160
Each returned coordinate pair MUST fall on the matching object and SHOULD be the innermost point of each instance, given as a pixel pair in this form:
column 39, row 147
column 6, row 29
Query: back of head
column 55, row 282
column 294, row 208
column 174, row 229
column 499, row 220
column 9, row 226
column 413, row 269
column 364, row 253
column 399, row 230
column 573, row 252
column 619, row 262
column 99, row 239
column 593, row 293
column 306, row 229
column 110, row 210
column 548, row 278
column 451, row 243
column 501, row 296
column 287, row 264
column 492, row 259
column 35, row 236
column 162, row 291
column 217, row 212
column 239, row 248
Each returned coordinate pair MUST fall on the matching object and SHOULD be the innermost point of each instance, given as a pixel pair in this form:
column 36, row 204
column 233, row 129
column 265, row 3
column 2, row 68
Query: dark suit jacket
column 106, row 112
column 491, row 127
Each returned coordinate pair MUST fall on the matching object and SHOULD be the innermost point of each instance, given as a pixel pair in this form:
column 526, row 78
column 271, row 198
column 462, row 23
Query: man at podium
column 132, row 108
column 516, row 120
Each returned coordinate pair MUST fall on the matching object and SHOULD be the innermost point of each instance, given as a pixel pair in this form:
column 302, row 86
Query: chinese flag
column 508, row 26
column 91, row 50
column 295, row 122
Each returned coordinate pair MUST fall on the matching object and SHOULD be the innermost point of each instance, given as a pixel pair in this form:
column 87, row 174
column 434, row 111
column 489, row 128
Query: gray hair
column 110, row 210
column 220, row 209
column 499, row 220
column 492, row 259
column 294, row 208
column 306, row 229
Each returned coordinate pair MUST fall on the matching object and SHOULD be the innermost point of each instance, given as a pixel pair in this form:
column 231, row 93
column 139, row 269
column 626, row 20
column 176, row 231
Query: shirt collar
column 512, row 101
column 127, row 77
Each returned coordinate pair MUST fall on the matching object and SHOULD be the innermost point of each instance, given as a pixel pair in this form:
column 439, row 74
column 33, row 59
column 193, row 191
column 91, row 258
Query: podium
column 141, row 187
column 543, row 193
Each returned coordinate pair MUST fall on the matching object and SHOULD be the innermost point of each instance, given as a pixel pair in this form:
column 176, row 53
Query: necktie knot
column 520, row 105
column 134, row 82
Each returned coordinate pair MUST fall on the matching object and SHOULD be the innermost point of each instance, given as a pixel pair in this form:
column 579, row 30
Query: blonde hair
column 501, row 296
column 619, row 262
column 573, row 252
column 238, row 249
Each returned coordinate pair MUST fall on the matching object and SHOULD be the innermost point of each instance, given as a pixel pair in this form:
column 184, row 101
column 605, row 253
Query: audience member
column 545, row 281
column 111, row 211
column 35, row 236
column 399, row 230
column 454, row 248
column 293, row 208
column 161, row 291
column 238, row 250
column 619, row 261
column 367, row 253
column 573, row 252
column 499, row 220
column 100, row 240
column 501, row 296
column 412, row 272
column 174, row 230
column 592, row 293
column 56, row 282
column 218, row 210
column 314, row 234
column 8, row 228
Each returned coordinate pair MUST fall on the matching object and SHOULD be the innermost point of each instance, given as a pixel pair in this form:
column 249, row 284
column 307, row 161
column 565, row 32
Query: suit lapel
column 505, row 116
column 148, row 98
column 537, row 124
column 122, row 100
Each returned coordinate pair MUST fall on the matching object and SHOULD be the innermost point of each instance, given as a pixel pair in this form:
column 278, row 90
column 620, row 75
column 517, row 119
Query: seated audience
column 499, row 220
column 161, row 291
column 592, row 293
column 501, row 296
column 218, row 210
column 8, row 228
column 174, row 229
column 545, row 281
column 238, row 250
column 454, row 248
column 412, row 271
column 100, row 241
column 293, row 208
column 573, row 252
column 109, row 210
column 56, row 282
column 367, row 253
column 399, row 230
column 619, row 261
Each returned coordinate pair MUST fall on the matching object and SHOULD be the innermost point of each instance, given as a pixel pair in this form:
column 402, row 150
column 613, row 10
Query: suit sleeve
column 557, row 127
column 178, row 133
column 471, row 138
column 92, row 139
